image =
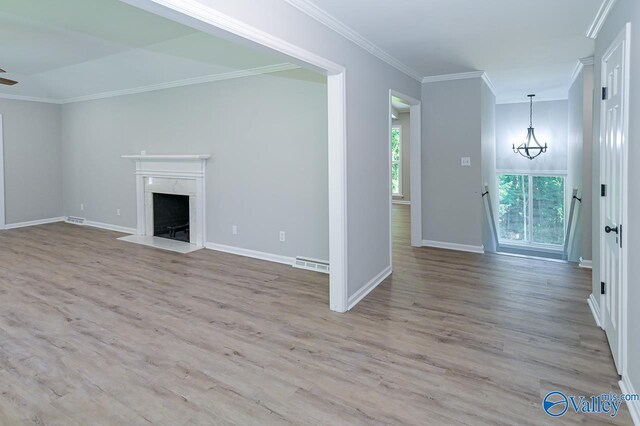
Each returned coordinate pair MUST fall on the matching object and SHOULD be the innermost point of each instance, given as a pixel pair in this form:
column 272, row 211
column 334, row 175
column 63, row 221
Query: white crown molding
column 489, row 84
column 453, row 246
column 29, row 98
column 456, row 76
column 600, row 18
column 586, row 61
column 580, row 64
column 269, row 69
column 504, row 101
column 347, row 32
column 575, row 74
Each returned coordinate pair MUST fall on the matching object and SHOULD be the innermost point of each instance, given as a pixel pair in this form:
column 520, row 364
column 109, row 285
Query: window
column 531, row 209
column 396, row 161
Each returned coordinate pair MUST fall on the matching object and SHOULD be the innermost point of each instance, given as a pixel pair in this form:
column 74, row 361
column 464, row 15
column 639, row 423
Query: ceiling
column 524, row 46
column 68, row 49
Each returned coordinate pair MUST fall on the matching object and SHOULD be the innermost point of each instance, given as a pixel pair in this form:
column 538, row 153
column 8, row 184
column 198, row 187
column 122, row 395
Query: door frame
column 209, row 20
column 3, row 221
column 415, row 169
column 623, row 36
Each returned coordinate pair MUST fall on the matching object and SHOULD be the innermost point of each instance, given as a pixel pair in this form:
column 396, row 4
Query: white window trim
column 532, row 174
column 399, row 193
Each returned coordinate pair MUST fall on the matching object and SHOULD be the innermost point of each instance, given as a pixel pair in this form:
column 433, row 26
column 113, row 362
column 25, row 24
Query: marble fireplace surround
column 170, row 174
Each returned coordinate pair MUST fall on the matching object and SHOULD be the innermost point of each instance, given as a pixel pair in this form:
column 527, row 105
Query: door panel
column 612, row 175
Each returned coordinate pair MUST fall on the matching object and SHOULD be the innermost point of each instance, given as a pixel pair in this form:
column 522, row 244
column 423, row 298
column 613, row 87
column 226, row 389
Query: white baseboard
column 251, row 253
column 403, row 202
column 634, row 406
column 453, row 246
column 595, row 309
column 368, row 288
column 34, row 223
column 109, row 227
column 585, row 263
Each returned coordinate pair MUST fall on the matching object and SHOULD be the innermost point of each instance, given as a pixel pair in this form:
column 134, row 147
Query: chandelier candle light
column 531, row 148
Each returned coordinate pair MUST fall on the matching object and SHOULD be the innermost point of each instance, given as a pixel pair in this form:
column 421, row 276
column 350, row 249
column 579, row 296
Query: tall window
column 396, row 160
column 531, row 209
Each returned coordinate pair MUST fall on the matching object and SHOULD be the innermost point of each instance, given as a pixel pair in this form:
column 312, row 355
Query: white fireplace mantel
column 171, row 174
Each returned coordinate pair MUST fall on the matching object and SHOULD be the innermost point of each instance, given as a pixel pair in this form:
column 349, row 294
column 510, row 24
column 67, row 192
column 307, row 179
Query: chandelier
column 530, row 148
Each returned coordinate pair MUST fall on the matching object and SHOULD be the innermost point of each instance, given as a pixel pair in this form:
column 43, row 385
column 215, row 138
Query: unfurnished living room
column 319, row 212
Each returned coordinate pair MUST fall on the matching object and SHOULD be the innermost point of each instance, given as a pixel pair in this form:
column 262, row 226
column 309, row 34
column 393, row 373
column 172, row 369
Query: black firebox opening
column 171, row 216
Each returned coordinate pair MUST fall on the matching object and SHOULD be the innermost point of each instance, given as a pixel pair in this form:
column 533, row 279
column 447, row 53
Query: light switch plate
column 465, row 161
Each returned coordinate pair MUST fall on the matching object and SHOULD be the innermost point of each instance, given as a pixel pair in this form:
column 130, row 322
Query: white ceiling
column 65, row 49
column 524, row 46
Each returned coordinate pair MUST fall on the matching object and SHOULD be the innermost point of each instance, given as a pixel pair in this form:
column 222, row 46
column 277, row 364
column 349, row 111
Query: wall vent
column 311, row 264
column 75, row 220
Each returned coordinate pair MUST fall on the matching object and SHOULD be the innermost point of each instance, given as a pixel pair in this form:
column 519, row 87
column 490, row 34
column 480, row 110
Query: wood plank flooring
column 99, row 331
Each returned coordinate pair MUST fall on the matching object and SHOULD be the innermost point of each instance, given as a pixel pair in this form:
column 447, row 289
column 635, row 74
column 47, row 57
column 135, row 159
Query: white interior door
column 613, row 142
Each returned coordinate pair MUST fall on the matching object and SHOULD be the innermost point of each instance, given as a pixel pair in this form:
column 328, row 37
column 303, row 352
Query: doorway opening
column 405, row 190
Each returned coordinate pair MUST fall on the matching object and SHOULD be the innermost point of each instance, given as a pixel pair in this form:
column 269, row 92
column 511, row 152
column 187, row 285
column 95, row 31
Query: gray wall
column 451, row 128
column 267, row 136
column 368, row 80
column 580, row 141
column 488, row 148
column 404, row 122
column 32, row 161
column 622, row 12
column 550, row 123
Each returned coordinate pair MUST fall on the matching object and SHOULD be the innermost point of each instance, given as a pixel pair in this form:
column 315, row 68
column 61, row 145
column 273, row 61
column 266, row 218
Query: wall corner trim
column 368, row 287
column 594, row 306
column 350, row 34
column 239, row 251
column 453, row 246
column 600, row 18
column 455, row 76
column 34, row 223
column 634, row 406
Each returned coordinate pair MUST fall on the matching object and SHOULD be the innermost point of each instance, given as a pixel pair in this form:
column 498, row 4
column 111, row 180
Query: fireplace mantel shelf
column 186, row 157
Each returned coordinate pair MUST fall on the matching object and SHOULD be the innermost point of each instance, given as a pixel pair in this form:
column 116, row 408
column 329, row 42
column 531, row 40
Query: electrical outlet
column 118, row 212
column 81, row 207
column 283, row 237
column 465, row 161
column 234, row 230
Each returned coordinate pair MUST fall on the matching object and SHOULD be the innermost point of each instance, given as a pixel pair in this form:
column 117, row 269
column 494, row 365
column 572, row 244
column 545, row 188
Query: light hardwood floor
column 99, row 331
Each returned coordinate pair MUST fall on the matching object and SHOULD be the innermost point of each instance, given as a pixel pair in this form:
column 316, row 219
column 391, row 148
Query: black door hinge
column 603, row 287
column 603, row 190
column 605, row 94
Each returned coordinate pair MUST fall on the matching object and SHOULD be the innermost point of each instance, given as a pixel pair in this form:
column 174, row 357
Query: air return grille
column 311, row 264
column 75, row 220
